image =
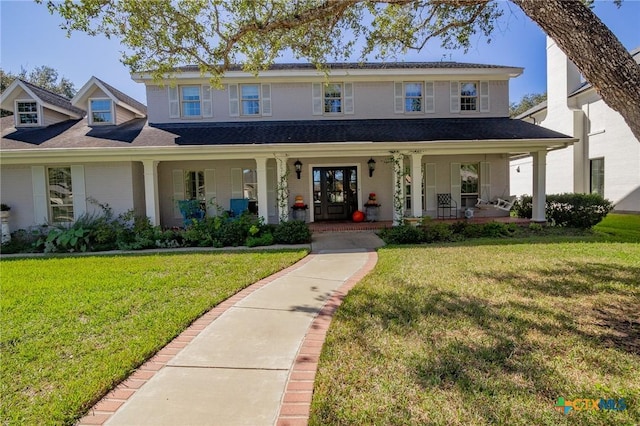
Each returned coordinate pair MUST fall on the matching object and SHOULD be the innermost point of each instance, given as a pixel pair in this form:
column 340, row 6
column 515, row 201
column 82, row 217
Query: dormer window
column 27, row 113
column 100, row 111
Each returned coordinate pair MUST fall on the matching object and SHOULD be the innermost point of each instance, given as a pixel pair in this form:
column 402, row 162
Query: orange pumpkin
column 357, row 216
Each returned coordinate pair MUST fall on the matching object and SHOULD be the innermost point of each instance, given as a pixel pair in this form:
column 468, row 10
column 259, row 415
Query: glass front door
column 335, row 192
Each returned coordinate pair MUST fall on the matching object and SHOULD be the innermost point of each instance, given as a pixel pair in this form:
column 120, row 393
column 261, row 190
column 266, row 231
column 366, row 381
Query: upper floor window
column 333, row 98
column 249, row 100
column 414, row 96
column 470, row 96
column 190, row 101
column 27, row 113
column 100, row 110
column 60, row 194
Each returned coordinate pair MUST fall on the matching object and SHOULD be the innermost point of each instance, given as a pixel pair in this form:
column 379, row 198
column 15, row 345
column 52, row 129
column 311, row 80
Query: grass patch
column 477, row 333
column 621, row 227
column 73, row 327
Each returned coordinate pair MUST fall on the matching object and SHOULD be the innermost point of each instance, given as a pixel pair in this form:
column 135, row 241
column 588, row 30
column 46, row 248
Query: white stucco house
column 606, row 157
column 404, row 131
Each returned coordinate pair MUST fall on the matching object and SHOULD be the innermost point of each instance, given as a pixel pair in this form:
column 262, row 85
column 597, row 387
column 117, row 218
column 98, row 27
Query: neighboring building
column 425, row 128
column 606, row 159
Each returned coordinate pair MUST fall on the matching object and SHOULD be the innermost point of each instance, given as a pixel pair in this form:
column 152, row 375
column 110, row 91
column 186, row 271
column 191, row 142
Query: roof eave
column 304, row 150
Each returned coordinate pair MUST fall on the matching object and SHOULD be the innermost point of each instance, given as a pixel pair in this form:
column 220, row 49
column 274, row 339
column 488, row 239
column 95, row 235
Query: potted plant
column 4, row 217
column 299, row 209
column 371, row 207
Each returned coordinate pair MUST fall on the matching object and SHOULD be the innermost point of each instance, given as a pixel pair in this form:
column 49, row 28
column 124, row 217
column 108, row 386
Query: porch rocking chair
column 447, row 206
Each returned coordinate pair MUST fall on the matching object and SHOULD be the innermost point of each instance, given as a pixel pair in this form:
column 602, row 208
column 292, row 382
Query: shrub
column 265, row 239
column 403, row 234
column 435, row 232
column 292, row 232
column 523, row 206
column 570, row 210
column 23, row 241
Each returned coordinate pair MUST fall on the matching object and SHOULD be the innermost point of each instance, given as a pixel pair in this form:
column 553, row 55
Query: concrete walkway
column 252, row 359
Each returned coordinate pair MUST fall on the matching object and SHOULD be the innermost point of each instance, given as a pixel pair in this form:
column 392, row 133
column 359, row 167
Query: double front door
column 335, row 192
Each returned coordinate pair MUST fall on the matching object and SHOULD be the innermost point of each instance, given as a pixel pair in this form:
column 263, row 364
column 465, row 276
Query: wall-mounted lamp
column 372, row 166
column 298, row 166
column 518, row 169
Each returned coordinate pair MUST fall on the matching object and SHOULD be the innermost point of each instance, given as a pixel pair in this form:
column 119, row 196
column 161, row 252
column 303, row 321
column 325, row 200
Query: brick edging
column 296, row 401
column 104, row 409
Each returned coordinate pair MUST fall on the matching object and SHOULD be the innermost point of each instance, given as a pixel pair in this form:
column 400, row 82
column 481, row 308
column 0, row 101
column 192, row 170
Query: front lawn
column 73, row 327
column 477, row 333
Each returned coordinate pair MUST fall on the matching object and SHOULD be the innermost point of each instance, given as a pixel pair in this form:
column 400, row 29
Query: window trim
column 111, row 111
column 50, row 206
column 476, row 97
column 325, row 99
column 602, row 177
column 17, row 114
column 182, row 101
column 242, row 99
column 405, row 97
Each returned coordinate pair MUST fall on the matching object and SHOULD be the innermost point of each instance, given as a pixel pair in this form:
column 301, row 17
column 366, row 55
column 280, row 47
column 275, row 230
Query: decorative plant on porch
column 398, row 192
column 191, row 209
column 282, row 189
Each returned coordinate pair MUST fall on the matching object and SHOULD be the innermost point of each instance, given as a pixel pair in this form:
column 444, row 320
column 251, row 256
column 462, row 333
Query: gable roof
column 120, row 98
column 47, row 98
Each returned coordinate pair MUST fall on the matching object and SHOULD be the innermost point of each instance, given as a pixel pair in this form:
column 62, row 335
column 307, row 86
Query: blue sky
column 30, row 37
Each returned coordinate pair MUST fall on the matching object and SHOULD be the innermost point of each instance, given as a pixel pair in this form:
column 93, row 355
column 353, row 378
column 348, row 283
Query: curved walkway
column 252, row 359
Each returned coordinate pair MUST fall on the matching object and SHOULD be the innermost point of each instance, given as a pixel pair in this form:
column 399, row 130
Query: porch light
column 372, row 166
column 298, row 166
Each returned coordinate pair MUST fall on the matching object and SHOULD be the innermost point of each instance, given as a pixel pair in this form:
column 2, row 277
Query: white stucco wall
column 603, row 133
column 108, row 183
column 16, row 191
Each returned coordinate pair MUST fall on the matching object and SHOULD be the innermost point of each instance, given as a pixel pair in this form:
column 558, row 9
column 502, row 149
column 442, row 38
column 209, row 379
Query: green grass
column 477, row 333
column 621, row 227
column 73, row 327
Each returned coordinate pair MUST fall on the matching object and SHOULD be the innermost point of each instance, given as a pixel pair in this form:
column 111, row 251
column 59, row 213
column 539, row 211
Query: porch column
column 261, row 170
column 398, row 188
column 152, row 205
column 539, row 186
column 282, row 188
column 416, row 184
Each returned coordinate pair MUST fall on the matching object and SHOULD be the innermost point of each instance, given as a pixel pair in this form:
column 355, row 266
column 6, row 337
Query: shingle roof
column 379, row 130
column 123, row 97
column 360, row 65
column 136, row 133
column 53, row 98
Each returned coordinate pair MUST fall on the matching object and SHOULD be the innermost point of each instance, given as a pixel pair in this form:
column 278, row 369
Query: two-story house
column 404, row 131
